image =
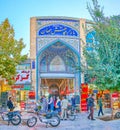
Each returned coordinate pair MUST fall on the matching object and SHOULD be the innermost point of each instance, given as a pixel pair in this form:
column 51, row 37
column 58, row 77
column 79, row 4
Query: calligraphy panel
column 57, row 29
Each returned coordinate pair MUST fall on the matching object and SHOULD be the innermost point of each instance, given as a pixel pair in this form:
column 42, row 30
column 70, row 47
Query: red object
column 32, row 95
column 62, row 92
column 67, row 92
column 84, row 95
column 83, row 101
column 115, row 95
column 22, row 104
column 84, row 85
column 85, row 89
column 17, row 86
column 71, row 91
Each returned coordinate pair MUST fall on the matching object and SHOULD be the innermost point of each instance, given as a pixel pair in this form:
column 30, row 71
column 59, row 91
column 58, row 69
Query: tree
column 10, row 51
column 103, row 61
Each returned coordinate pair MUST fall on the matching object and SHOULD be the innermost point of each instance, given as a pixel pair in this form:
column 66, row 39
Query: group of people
column 54, row 103
column 91, row 104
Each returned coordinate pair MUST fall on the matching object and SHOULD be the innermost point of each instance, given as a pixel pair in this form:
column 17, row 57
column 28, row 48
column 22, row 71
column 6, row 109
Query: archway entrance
column 56, row 70
column 57, row 87
column 54, row 90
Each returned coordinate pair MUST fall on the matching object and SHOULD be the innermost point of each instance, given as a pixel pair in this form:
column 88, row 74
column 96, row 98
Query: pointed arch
column 43, row 49
column 58, row 40
column 57, row 64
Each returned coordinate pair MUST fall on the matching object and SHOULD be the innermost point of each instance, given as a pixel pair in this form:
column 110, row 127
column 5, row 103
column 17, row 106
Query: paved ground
column 81, row 123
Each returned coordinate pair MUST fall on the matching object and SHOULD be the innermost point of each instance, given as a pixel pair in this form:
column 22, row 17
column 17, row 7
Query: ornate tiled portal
column 56, row 51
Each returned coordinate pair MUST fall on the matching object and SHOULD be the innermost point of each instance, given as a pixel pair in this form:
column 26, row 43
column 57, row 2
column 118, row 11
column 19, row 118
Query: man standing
column 87, row 101
column 91, row 105
column 64, row 105
column 100, row 104
column 10, row 104
column 73, row 103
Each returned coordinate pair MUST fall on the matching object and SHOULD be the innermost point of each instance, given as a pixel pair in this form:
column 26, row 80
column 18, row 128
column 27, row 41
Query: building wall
column 39, row 42
column 83, row 43
column 33, row 49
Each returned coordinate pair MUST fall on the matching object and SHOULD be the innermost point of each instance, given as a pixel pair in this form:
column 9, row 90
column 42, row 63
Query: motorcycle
column 71, row 114
column 50, row 118
column 117, row 115
column 13, row 116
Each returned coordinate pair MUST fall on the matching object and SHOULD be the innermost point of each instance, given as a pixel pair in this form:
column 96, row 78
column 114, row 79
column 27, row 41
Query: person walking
column 55, row 100
column 100, row 105
column 87, row 101
column 44, row 104
column 73, row 103
column 91, row 105
column 64, row 105
column 10, row 104
column 51, row 104
column 58, row 105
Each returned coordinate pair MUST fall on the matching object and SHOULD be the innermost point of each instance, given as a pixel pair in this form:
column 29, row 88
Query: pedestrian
column 73, row 103
column 87, row 101
column 100, row 105
column 55, row 100
column 44, row 104
column 51, row 104
column 91, row 106
column 64, row 105
column 58, row 105
column 10, row 104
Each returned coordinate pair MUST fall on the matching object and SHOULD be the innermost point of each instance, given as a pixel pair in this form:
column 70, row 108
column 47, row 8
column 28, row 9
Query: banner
column 23, row 77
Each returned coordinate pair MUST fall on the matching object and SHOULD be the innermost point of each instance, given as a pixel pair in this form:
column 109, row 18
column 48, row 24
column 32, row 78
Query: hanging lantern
column 62, row 93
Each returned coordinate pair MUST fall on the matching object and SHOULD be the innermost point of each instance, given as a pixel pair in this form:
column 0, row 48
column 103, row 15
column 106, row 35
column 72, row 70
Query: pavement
column 81, row 123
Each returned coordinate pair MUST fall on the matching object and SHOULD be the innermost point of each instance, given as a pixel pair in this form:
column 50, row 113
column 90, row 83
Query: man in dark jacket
column 91, row 105
column 87, row 101
column 10, row 104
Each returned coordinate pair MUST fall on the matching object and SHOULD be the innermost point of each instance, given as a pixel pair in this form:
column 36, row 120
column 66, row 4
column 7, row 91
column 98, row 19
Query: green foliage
column 104, row 60
column 10, row 51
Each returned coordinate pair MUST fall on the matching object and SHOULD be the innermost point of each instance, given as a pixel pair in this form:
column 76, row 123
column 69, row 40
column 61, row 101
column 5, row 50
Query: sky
column 19, row 12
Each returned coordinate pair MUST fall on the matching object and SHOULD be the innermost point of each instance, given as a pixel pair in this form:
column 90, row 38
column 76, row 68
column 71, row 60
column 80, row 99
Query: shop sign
column 27, row 87
column 23, row 77
column 23, row 66
column 95, row 91
column 33, row 64
column 17, row 86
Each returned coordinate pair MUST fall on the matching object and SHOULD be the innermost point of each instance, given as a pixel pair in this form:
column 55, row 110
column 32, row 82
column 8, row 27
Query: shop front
column 108, row 98
column 4, row 89
column 22, row 87
column 21, row 95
